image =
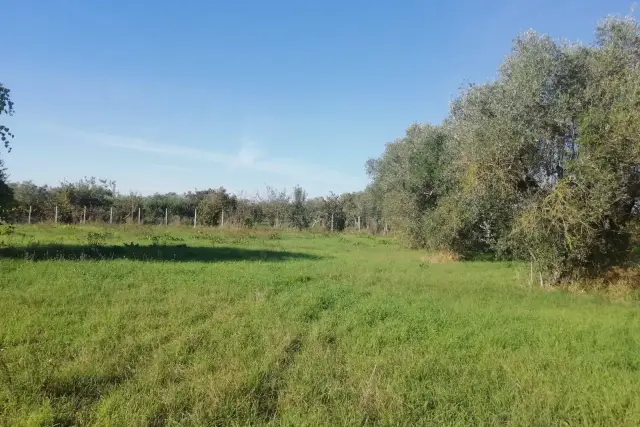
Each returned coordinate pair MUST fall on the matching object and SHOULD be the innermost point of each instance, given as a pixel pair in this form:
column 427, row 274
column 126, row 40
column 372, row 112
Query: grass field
column 157, row 327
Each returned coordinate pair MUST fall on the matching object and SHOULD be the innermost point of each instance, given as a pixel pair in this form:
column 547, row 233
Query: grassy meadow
column 145, row 326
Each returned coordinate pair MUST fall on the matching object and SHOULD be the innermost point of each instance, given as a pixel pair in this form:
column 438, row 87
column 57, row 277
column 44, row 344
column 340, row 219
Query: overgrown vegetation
column 147, row 326
column 541, row 164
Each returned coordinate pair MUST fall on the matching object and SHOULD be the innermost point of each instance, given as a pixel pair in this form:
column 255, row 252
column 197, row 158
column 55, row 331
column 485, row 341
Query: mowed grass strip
column 161, row 327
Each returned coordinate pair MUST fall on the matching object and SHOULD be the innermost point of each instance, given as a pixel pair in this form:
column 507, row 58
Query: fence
column 137, row 215
column 86, row 214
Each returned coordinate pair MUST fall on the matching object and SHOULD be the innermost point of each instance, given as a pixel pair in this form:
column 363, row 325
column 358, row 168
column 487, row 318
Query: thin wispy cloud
column 247, row 157
column 169, row 167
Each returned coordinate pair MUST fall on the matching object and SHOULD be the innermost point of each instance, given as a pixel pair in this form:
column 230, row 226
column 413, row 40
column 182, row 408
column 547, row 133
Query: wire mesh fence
column 137, row 215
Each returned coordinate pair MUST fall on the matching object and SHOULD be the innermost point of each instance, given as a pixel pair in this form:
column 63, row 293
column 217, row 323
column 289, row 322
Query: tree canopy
column 6, row 108
column 543, row 163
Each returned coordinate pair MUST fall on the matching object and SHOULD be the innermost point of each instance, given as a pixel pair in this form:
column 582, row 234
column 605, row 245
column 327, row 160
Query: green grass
column 202, row 328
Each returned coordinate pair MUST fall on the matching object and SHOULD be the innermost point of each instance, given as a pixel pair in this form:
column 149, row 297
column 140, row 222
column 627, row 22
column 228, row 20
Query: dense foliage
column 543, row 163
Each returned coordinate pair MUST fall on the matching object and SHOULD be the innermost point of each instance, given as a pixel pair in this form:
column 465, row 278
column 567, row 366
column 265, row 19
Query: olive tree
column 408, row 177
column 299, row 211
column 582, row 227
column 543, row 163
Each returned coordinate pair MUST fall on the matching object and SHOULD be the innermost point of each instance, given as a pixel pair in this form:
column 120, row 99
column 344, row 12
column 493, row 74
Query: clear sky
column 178, row 95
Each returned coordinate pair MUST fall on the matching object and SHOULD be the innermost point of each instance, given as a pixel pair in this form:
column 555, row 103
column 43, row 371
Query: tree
column 212, row 205
column 581, row 227
column 96, row 196
column 276, row 206
column 6, row 193
column 542, row 163
column 6, row 107
column 172, row 205
column 299, row 213
column 350, row 207
column 407, row 179
column 248, row 213
column 28, row 195
column 512, row 141
column 333, row 215
column 315, row 210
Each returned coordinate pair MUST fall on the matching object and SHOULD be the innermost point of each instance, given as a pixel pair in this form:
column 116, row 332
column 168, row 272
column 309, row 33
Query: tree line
column 541, row 164
column 96, row 200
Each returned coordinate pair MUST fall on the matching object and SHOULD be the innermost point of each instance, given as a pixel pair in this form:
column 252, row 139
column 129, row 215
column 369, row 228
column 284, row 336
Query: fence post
column 138, row 215
column 332, row 222
column 166, row 216
column 29, row 220
column 111, row 215
column 55, row 218
column 195, row 217
column 84, row 215
column 222, row 223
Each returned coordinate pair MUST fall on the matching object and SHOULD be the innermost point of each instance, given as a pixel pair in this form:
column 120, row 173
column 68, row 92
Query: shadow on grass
column 181, row 253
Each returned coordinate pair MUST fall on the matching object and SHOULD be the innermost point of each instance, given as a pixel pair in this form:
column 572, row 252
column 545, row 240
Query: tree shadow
column 135, row 252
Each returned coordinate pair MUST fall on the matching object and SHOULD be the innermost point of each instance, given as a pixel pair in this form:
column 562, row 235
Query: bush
column 573, row 232
column 7, row 230
column 97, row 238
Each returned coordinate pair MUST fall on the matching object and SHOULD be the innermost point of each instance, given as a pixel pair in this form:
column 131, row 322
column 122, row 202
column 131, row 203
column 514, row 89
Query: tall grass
column 253, row 328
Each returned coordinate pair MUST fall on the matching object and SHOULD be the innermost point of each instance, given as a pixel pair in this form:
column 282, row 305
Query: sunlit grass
column 257, row 327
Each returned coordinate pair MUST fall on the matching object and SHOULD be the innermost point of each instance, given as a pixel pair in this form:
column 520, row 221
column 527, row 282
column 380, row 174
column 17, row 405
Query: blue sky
column 177, row 95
